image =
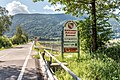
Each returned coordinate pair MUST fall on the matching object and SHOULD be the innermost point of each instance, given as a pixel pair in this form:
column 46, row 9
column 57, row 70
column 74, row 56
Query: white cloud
column 116, row 11
column 16, row 7
column 53, row 8
column 49, row 8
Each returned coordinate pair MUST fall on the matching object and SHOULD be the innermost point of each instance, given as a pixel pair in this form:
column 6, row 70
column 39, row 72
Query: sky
column 27, row 6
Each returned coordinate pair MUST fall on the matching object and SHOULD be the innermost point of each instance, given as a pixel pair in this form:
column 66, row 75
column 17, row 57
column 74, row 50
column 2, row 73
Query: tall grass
column 98, row 66
column 102, row 65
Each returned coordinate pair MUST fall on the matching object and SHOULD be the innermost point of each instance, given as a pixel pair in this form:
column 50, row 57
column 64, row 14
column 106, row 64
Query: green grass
column 36, row 56
column 2, row 49
column 102, row 65
column 90, row 68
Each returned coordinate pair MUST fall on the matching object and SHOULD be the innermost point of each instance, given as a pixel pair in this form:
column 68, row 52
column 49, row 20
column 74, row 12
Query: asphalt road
column 12, row 61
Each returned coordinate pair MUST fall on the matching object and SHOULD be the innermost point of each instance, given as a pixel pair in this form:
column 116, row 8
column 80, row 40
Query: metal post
column 50, row 60
column 78, row 45
column 51, row 52
column 43, row 54
column 62, row 43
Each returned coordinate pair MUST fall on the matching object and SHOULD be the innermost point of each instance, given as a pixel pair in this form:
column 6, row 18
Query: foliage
column 104, row 34
column 111, row 51
column 26, row 36
column 104, row 65
column 91, row 68
column 19, row 37
column 97, row 13
column 85, row 35
column 19, row 40
column 5, row 42
column 5, row 20
column 19, row 31
column 36, row 56
column 44, row 26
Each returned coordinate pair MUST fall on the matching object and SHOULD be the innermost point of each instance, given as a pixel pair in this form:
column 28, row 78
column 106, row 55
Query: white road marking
column 25, row 64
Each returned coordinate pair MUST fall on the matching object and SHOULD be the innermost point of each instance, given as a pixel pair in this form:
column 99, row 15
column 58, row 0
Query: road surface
column 13, row 60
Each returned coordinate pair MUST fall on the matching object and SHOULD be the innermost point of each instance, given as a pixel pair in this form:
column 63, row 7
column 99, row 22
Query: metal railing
column 61, row 64
column 47, row 70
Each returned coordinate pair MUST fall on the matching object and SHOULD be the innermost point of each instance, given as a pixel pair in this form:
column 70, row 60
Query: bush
column 1, row 41
column 5, row 42
column 91, row 68
column 18, row 40
column 113, row 52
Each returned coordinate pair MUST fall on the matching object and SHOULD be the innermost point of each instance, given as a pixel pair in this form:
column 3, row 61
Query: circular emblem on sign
column 70, row 25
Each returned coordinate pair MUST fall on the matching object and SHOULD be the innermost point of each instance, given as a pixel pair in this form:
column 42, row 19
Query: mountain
column 42, row 25
column 115, row 28
column 47, row 25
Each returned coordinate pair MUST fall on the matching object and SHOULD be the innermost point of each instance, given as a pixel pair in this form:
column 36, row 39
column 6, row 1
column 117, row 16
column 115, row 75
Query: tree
column 19, row 31
column 5, row 20
column 26, row 36
column 20, row 36
column 97, row 11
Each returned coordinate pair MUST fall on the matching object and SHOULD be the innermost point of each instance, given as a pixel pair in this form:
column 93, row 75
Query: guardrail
column 61, row 64
column 47, row 70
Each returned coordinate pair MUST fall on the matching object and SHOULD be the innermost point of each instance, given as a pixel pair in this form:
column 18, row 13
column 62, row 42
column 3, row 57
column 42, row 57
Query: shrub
column 18, row 40
column 5, row 42
column 91, row 68
column 113, row 52
column 1, row 41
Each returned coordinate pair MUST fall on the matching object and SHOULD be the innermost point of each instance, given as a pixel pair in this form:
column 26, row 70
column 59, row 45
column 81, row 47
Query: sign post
column 70, row 38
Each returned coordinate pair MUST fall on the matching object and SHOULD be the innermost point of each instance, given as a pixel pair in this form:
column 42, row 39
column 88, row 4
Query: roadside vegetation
column 104, row 64
column 19, row 37
column 98, row 61
column 5, row 42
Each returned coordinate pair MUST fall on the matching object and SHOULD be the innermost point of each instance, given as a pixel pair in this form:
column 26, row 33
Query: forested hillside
column 46, row 25
column 42, row 25
column 115, row 27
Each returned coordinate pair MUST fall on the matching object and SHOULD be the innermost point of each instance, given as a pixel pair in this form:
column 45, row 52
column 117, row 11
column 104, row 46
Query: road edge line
column 25, row 64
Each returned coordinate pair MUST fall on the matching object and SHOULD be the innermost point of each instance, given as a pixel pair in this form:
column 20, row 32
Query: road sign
column 70, row 37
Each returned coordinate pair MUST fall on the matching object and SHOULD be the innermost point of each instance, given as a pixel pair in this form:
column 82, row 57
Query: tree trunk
column 1, row 32
column 94, row 30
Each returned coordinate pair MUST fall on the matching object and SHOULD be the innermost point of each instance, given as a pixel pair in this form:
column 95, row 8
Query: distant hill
column 46, row 25
column 42, row 25
column 115, row 28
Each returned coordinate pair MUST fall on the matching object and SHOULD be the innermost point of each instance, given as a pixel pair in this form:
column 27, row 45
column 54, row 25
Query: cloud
column 49, row 8
column 117, row 11
column 53, row 8
column 16, row 7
